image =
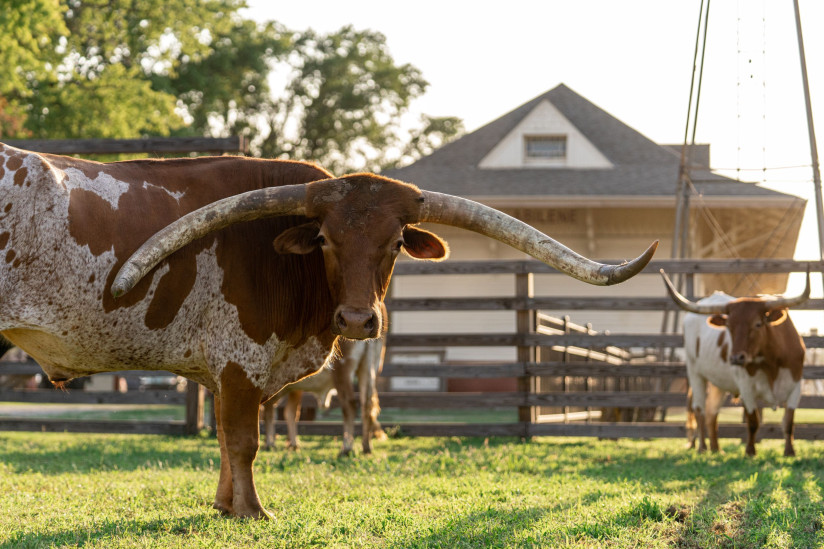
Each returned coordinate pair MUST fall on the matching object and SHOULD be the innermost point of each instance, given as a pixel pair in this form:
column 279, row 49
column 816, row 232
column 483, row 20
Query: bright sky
column 632, row 58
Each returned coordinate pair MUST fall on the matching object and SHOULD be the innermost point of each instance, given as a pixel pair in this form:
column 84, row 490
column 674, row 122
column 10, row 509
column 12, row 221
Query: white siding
column 545, row 119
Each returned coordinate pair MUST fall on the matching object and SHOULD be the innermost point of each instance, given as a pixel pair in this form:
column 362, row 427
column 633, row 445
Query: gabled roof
column 641, row 167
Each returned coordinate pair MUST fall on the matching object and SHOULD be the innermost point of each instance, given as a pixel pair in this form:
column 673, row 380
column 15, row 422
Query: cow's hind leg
column 269, row 417
column 715, row 398
column 291, row 413
column 342, row 379
column 789, row 416
column 223, row 498
column 368, row 370
column 239, row 408
column 691, row 425
column 699, row 406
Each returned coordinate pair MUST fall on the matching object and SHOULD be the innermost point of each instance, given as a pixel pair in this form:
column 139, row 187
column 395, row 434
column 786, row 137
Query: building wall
column 607, row 235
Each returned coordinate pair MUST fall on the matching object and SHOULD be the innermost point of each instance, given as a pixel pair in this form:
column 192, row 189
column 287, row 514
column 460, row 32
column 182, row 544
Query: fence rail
column 526, row 368
column 156, row 145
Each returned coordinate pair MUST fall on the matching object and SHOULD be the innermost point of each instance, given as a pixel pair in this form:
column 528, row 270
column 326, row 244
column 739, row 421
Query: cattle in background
column 361, row 359
column 169, row 265
column 5, row 345
column 748, row 347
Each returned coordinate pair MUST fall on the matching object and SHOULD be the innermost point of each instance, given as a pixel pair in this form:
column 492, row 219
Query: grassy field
column 66, row 490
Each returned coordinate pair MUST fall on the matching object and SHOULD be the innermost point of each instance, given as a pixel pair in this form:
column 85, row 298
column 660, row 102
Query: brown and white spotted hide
column 226, row 310
column 359, row 359
column 751, row 352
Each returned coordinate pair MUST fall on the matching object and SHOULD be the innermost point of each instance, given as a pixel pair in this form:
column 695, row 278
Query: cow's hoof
column 293, row 448
column 258, row 514
column 224, row 509
column 789, row 452
column 750, row 452
column 345, row 453
column 379, row 435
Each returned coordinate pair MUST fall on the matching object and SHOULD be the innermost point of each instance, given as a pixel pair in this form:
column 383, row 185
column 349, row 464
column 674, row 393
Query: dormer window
column 545, row 147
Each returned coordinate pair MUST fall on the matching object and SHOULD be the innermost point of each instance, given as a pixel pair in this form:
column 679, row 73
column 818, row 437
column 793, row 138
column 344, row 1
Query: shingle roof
column 641, row 166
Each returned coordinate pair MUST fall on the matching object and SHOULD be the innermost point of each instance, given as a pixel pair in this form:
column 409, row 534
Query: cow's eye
column 321, row 240
column 758, row 323
column 398, row 245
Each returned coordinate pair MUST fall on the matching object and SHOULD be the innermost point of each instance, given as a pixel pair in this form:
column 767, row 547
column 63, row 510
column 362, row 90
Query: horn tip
column 621, row 273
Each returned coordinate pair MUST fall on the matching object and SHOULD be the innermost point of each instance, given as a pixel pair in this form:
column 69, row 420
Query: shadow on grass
column 85, row 454
column 745, row 501
column 489, row 528
column 113, row 529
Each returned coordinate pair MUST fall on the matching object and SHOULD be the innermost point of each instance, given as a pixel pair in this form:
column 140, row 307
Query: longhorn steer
column 225, row 309
column 748, row 347
column 363, row 359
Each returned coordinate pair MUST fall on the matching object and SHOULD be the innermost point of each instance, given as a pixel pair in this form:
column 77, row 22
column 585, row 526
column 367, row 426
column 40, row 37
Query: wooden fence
column 151, row 145
column 529, row 366
column 528, row 340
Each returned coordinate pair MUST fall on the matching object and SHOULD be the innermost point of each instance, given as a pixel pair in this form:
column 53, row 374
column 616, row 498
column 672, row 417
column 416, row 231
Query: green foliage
column 121, row 68
column 344, row 97
column 152, row 491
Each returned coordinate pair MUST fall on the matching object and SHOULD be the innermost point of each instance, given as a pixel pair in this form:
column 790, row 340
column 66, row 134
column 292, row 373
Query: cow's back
column 67, row 225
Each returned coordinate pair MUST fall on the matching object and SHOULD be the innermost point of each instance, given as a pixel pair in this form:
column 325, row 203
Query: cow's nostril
column 370, row 324
column 340, row 320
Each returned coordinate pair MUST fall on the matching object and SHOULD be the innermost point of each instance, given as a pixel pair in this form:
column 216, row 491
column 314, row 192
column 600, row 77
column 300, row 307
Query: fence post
column 525, row 324
column 195, row 398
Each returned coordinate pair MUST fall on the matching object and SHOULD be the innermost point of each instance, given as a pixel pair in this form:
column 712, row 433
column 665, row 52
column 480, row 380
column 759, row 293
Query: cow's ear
column 718, row 321
column 302, row 239
column 422, row 244
column 776, row 317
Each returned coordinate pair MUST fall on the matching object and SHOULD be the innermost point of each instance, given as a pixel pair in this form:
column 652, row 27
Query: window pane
column 546, row 147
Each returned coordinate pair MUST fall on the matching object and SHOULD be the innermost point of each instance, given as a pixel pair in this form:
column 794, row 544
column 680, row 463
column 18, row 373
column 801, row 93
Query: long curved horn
column 689, row 306
column 268, row 202
column 461, row 212
column 787, row 302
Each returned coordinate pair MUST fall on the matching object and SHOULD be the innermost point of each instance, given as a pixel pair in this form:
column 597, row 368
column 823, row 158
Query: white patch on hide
column 105, row 186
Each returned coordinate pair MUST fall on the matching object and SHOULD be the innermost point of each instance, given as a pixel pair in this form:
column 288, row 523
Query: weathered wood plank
column 671, row 266
column 125, row 146
column 417, row 429
column 593, row 399
column 547, row 303
column 586, row 369
column 84, row 397
column 541, row 340
column 812, row 431
column 52, row 425
column 605, row 430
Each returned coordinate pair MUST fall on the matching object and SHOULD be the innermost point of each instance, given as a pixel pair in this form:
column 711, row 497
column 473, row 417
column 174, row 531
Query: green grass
column 67, row 490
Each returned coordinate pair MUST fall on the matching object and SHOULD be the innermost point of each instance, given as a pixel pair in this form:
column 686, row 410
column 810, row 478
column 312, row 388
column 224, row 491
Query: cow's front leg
column 789, row 416
column 239, row 405
column 752, row 429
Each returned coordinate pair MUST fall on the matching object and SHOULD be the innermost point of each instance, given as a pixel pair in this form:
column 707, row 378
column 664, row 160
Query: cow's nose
column 357, row 323
column 739, row 359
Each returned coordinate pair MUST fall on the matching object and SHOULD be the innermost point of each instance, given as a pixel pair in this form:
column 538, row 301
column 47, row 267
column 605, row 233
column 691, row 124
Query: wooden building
column 600, row 187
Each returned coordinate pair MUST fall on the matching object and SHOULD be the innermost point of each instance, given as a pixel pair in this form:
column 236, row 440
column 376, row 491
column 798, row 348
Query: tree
column 342, row 102
column 27, row 51
column 123, row 68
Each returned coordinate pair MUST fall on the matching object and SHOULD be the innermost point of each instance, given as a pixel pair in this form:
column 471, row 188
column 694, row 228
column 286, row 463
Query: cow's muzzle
column 354, row 323
column 739, row 359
